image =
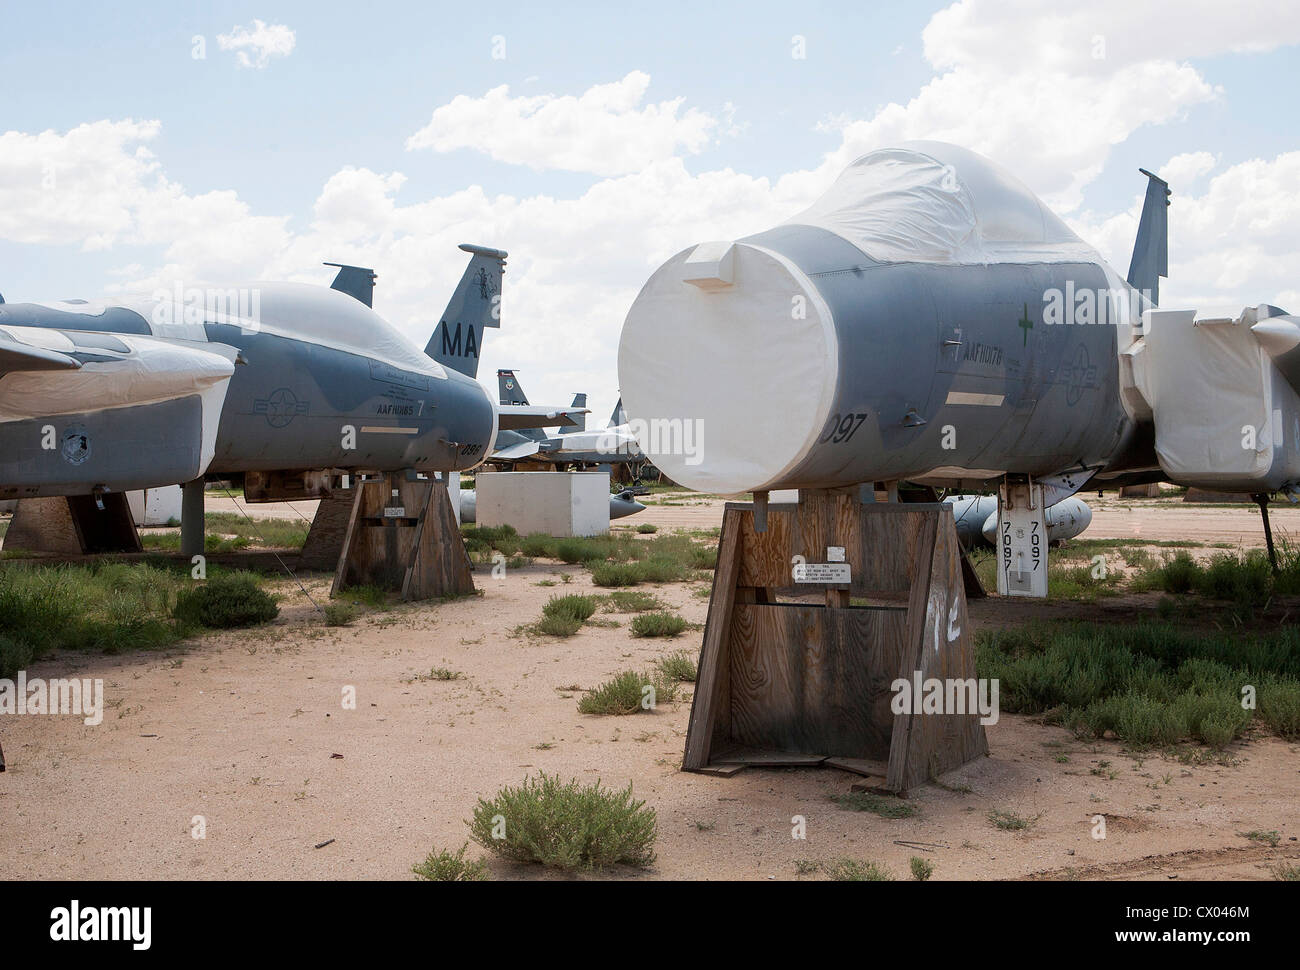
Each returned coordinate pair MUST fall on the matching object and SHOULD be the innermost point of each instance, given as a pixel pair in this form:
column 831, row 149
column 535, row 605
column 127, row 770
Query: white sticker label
column 822, row 572
column 835, row 553
column 395, row 512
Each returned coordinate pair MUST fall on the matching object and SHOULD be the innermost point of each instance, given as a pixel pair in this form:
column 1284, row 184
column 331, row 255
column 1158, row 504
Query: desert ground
column 247, row 731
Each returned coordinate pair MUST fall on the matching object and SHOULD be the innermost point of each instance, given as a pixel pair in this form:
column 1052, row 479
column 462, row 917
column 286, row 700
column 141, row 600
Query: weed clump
column 566, row 825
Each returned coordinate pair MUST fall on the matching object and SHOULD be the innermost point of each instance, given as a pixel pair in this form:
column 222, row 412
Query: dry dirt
column 243, row 729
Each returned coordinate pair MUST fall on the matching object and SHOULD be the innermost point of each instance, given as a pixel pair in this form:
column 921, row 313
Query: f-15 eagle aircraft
column 107, row 396
column 615, row 444
column 930, row 320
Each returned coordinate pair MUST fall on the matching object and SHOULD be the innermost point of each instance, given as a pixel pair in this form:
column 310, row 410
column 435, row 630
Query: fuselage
column 879, row 340
column 320, row 381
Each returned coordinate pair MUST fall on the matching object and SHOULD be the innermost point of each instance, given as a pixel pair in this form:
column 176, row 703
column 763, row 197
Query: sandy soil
column 244, row 729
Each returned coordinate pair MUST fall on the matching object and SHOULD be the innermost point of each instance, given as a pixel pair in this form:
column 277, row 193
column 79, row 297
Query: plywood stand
column 74, row 526
column 402, row 536
column 802, row 674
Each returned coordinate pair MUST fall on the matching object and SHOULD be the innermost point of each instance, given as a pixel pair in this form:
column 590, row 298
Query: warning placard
column 832, row 573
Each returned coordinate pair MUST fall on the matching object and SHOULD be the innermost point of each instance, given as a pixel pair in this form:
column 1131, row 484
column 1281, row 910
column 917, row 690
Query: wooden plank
column 349, row 539
column 721, row 770
column 938, row 743
column 912, row 644
column 711, row 702
column 867, row 767
column 439, row 564
column 43, row 525
column 762, row 758
column 809, row 678
column 324, row 543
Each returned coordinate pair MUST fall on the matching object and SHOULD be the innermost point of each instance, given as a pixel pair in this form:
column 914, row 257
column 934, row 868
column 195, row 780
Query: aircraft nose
column 746, row 390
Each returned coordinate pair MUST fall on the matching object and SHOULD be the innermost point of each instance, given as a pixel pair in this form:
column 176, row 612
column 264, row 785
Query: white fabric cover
column 931, row 202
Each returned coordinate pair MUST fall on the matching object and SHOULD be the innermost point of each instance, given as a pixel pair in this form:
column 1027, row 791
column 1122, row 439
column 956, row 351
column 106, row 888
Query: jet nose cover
column 728, row 364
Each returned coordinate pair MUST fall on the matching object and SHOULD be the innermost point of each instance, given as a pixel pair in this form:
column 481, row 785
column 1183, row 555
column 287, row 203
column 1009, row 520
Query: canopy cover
column 931, row 202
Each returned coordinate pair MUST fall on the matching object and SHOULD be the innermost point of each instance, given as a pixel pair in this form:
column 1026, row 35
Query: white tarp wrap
column 1210, row 391
column 153, row 370
column 705, row 421
column 933, row 203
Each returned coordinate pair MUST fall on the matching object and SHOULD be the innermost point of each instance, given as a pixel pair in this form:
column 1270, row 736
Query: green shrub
column 922, row 869
column 339, row 613
column 15, row 655
column 223, row 602
column 574, row 606
column 616, row 574
column 851, row 870
column 558, row 626
column 1279, row 707
column 566, row 825
column 538, row 545
column 632, row 601
column 1010, row 821
column 704, row 557
column 448, row 866
column 678, row 667
column 572, row 551
column 646, row 528
column 626, row 694
column 662, row 571
column 105, row 606
column 657, row 625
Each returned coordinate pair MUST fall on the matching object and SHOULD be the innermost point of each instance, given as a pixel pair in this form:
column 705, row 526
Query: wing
column 16, row 356
column 515, row 417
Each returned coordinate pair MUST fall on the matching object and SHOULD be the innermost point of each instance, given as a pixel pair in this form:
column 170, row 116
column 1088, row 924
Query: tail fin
column 509, row 390
column 619, row 416
column 475, row 305
column 579, row 401
column 356, row 282
column 1151, row 251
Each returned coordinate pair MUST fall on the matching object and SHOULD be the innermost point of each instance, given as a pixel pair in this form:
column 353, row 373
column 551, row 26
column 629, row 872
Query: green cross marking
column 1026, row 325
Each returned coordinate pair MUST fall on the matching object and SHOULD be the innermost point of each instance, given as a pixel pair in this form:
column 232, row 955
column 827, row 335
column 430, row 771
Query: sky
column 158, row 143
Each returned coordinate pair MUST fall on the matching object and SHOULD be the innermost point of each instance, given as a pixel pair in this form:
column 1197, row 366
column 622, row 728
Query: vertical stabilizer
column 474, row 306
column 356, row 281
column 1151, row 251
column 579, row 401
column 509, row 390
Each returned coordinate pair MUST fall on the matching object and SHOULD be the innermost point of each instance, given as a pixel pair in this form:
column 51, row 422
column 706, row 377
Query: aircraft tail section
column 579, row 401
column 356, row 281
column 474, row 306
column 1151, row 251
column 619, row 416
column 509, row 390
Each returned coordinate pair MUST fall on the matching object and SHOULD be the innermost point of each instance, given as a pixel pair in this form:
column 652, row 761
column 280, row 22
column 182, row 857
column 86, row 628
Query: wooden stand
column 329, row 526
column 800, row 674
column 73, row 526
column 402, row 536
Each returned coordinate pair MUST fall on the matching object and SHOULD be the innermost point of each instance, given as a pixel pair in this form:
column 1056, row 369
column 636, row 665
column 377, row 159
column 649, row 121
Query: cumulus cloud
column 256, row 44
column 1182, row 170
column 606, row 130
column 1102, row 36
column 579, row 259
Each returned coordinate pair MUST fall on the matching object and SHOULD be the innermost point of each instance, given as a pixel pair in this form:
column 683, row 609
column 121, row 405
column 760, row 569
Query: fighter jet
column 102, row 397
column 930, row 320
column 614, row 444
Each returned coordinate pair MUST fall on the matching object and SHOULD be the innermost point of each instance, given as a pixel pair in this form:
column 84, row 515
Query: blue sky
column 361, row 79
